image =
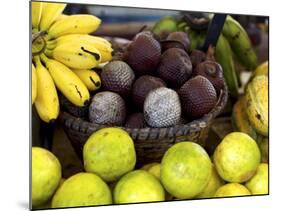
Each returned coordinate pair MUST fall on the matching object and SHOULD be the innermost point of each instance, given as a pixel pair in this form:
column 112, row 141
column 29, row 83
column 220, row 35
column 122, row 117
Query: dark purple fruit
column 213, row 72
column 135, row 120
column 176, row 40
column 175, row 67
column 196, row 57
column 143, row 53
column 118, row 77
column 198, row 97
column 162, row 108
column 142, row 86
column 107, row 108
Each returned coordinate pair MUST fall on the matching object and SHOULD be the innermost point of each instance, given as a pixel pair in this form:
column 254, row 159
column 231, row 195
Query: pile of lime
column 186, row 171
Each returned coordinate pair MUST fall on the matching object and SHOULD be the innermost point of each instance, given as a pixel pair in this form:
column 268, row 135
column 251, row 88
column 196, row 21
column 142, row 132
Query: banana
column 196, row 38
column 90, row 78
column 102, row 45
column 67, row 82
column 262, row 69
column 62, row 16
column 223, row 55
column 240, row 43
column 36, row 10
column 50, row 12
column 47, row 102
column 74, row 24
column 76, row 55
column 34, row 84
column 257, row 104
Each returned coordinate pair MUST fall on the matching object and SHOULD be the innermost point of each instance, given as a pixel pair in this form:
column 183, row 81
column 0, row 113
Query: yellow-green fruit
column 264, row 150
column 214, row 183
column 34, row 84
column 237, row 157
column 109, row 153
column 185, row 170
column 82, row 189
column 240, row 120
column 262, row 69
column 257, row 104
column 258, row 184
column 46, row 175
column 155, row 170
column 232, row 189
column 147, row 166
column 138, row 186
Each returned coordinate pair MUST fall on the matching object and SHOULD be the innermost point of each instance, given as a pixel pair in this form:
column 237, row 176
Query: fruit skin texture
column 46, row 175
column 50, row 12
column 109, row 153
column 262, row 69
column 34, row 84
column 118, row 77
column 240, row 43
column 237, row 157
column 258, row 184
column 240, row 120
column 82, row 189
column 74, row 24
column 175, row 67
column 232, row 189
column 263, row 144
column 138, row 186
column 36, row 11
column 214, row 183
column 107, row 108
column 198, row 97
column 90, row 78
column 257, row 104
column 142, row 86
column 135, row 120
column 162, row 108
column 185, row 170
column 143, row 53
column 67, row 82
column 47, row 101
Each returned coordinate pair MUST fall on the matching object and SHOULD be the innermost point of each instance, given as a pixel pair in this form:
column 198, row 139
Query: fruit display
column 133, row 119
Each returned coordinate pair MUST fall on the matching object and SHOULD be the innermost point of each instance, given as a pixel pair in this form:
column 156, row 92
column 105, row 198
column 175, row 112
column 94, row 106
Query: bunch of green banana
column 63, row 55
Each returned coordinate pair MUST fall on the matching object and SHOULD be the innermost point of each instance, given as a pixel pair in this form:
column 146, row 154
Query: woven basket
column 150, row 143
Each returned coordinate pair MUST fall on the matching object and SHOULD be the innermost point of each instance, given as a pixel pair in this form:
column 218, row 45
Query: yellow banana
column 223, row 55
column 67, row 82
column 90, row 78
column 74, row 24
column 47, row 102
column 34, row 84
column 50, row 12
column 76, row 55
column 262, row 69
column 257, row 104
column 102, row 45
column 36, row 10
column 62, row 16
column 240, row 43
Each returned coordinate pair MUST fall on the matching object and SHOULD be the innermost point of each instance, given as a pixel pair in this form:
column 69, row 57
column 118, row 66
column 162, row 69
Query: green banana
column 240, row 43
column 223, row 55
column 196, row 38
column 166, row 24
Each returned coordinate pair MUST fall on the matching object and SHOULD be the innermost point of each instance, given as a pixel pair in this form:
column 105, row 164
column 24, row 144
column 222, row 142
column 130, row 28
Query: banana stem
column 44, row 58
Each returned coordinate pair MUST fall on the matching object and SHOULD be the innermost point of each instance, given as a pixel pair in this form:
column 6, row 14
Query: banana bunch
column 64, row 54
column 250, row 113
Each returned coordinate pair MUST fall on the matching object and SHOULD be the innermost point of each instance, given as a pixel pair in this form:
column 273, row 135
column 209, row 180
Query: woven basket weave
column 150, row 143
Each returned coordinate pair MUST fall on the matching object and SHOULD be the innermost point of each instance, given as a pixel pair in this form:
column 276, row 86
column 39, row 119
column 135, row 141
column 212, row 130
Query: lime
column 109, row 153
column 237, row 157
column 153, row 168
column 46, row 175
column 214, row 183
column 232, row 189
column 82, row 189
column 147, row 166
column 138, row 186
column 258, row 184
column 185, row 170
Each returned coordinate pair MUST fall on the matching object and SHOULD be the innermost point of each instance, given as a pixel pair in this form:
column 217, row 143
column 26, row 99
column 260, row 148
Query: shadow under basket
column 150, row 143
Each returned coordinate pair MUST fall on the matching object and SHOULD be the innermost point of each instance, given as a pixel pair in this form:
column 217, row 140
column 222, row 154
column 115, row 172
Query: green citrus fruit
column 153, row 168
column 237, row 157
column 109, row 153
column 46, row 175
column 138, row 186
column 258, row 184
column 82, row 189
column 214, row 183
column 147, row 166
column 232, row 189
column 185, row 170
